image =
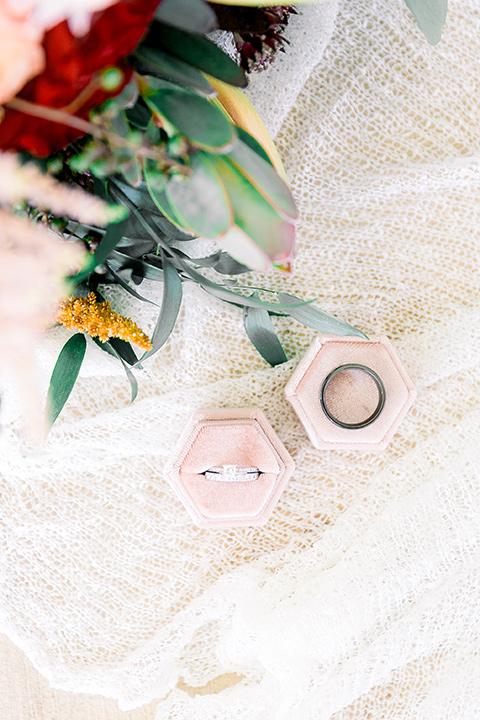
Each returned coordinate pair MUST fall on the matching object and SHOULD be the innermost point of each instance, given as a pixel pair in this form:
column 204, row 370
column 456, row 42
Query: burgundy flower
column 258, row 49
column 70, row 80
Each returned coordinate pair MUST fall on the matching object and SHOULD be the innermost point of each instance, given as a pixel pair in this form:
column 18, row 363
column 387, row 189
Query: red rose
column 71, row 65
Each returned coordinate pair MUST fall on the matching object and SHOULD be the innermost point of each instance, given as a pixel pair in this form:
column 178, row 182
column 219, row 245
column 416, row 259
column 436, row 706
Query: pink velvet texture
column 241, row 437
column 353, row 395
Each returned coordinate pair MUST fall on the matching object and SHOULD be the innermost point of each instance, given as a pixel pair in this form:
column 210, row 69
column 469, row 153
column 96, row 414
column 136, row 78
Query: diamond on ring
column 232, row 473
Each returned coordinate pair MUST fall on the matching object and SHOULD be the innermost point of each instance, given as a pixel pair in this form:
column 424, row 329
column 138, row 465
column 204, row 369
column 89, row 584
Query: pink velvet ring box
column 343, row 380
column 229, row 468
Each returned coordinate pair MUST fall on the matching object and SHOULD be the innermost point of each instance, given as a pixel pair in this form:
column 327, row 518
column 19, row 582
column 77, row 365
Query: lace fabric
column 360, row 595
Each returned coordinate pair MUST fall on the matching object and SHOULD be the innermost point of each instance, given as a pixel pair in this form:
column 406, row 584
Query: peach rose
column 21, row 53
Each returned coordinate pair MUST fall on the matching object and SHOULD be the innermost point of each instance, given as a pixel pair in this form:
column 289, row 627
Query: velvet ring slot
column 350, row 393
column 229, row 468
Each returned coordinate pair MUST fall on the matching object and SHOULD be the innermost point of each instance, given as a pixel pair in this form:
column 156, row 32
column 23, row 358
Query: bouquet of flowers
column 124, row 133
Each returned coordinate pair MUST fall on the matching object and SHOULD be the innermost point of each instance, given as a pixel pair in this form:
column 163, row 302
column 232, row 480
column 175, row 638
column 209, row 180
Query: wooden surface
column 26, row 695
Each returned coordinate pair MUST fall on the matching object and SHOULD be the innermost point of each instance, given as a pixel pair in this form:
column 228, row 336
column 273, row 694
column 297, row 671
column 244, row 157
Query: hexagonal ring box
column 229, row 468
column 350, row 393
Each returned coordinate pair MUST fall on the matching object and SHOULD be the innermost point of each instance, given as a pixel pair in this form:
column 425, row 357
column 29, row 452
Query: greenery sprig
column 169, row 152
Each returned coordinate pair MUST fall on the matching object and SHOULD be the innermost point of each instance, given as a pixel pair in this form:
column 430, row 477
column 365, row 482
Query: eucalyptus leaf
column 135, row 247
column 118, row 348
column 227, row 265
column 130, row 376
column 64, row 376
column 162, row 201
column 198, row 51
column 234, row 298
column 317, row 319
column 155, row 62
column 200, row 201
column 209, row 261
column 430, row 16
column 140, row 198
column 127, row 287
column 195, row 117
column 220, row 261
column 140, row 267
column 192, row 15
column 110, row 240
column 261, row 333
column 124, row 349
column 171, row 302
column 145, row 219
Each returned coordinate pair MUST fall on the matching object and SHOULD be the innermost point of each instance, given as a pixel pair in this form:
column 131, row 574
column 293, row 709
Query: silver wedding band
column 381, row 396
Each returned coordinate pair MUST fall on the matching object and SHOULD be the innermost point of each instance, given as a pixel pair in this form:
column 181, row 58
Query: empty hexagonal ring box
column 229, row 468
column 350, row 393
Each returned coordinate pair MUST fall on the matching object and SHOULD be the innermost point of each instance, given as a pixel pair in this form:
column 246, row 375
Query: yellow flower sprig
column 98, row 319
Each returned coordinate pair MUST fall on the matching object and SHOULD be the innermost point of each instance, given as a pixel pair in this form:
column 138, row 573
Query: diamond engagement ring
column 232, row 473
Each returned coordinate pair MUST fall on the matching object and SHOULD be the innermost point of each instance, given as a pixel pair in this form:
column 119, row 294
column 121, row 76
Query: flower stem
column 88, row 128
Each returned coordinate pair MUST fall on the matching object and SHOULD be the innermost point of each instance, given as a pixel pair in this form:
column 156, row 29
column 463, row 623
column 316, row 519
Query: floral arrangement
column 123, row 132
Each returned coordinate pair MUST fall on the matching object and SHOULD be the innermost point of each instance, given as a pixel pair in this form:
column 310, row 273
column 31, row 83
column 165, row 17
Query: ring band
column 381, row 396
column 232, row 473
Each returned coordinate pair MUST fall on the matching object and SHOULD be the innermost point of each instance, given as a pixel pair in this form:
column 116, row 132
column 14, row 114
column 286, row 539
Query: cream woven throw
column 360, row 598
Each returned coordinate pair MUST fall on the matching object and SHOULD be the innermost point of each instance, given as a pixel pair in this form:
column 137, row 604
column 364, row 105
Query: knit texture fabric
column 359, row 597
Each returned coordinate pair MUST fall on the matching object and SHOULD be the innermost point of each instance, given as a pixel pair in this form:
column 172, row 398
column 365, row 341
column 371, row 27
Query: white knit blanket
column 360, row 597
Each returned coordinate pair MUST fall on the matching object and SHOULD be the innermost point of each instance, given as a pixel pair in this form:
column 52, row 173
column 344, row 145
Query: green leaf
column 252, row 143
column 262, row 176
column 113, row 349
column 132, row 171
column 262, row 335
column 227, row 265
column 110, row 240
column 171, row 302
column 222, row 293
column 138, row 197
column 130, row 376
column 195, row 117
column 160, row 64
column 140, row 268
column 430, row 16
column 64, row 376
column 162, row 202
column 144, row 197
column 127, row 287
column 118, row 348
column 260, row 234
column 317, row 319
column 200, row 201
column 198, row 51
column 192, row 15
column 120, row 124
column 139, row 115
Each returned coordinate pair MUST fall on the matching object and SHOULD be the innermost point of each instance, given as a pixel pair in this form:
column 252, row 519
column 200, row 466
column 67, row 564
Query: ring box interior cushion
column 222, row 439
column 327, row 353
